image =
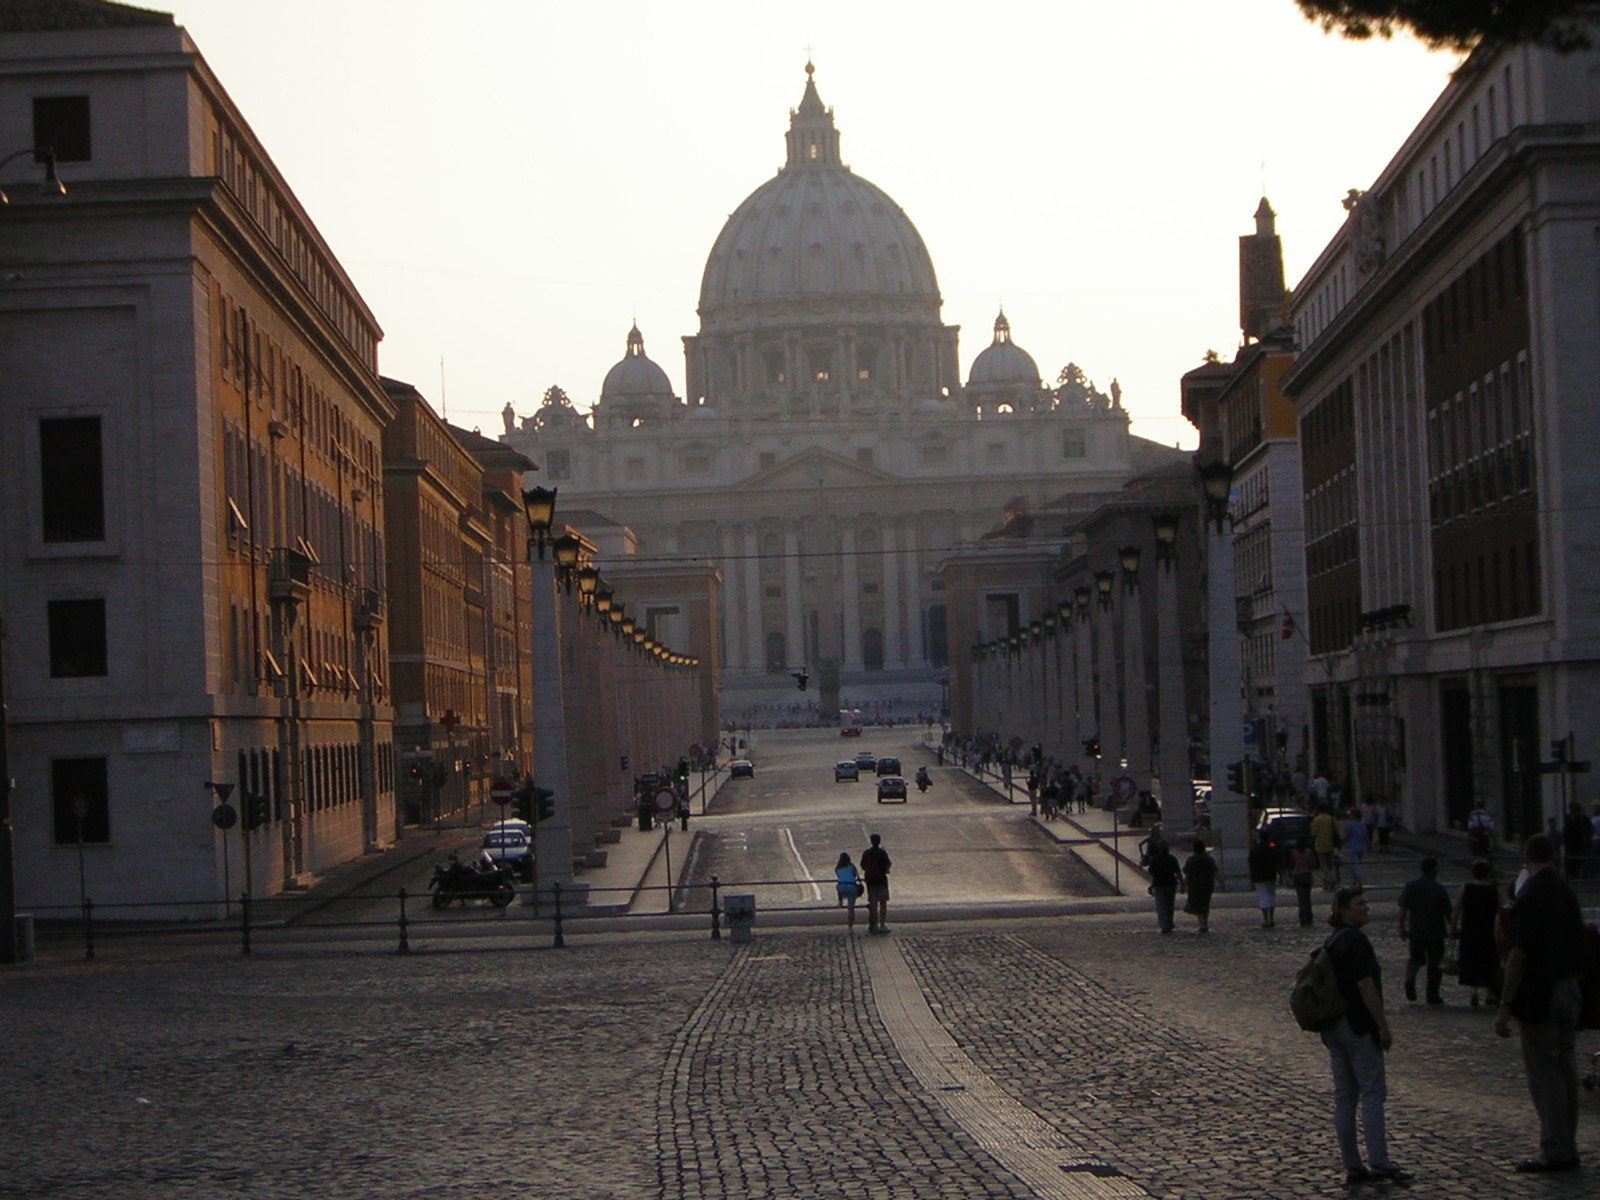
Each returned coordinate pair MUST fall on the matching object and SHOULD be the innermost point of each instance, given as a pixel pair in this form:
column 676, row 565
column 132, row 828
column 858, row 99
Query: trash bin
column 740, row 914
column 24, row 937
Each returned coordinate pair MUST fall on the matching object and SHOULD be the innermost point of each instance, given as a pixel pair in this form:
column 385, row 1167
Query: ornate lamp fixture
column 539, row 503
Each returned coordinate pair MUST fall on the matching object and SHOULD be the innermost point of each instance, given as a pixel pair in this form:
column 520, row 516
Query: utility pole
column 8, row 883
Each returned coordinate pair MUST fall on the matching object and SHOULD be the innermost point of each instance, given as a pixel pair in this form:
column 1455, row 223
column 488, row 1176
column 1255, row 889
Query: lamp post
column 1177, row 789
column 1110, row 726
column 1083, row 696
column 552, row 840
column 1135, row 696
column 1229, row 811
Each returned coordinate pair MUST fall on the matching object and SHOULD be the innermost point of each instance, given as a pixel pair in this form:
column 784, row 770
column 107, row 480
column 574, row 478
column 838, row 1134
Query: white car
column 510, row 848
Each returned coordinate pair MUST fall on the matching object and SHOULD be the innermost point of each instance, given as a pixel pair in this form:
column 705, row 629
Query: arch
column 872, row 649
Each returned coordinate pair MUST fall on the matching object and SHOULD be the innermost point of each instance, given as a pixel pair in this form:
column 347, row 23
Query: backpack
column 1315, row 998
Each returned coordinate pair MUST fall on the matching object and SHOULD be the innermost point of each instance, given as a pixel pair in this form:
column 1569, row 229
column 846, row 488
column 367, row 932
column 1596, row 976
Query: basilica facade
column 826, row 455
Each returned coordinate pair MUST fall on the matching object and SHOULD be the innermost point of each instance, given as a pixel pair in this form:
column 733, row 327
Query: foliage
column 1455, row 24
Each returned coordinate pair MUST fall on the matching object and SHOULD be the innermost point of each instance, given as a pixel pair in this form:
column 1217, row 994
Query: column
column 851, row 599
column 756, row 643
column 553, row 840
column 1083, row 722
column 1177, row 793
column 794, row 626
column 1110, row 713
column 911, row 571
column 1135, row 699
column 1229, row 811
column 733, row 613
column 894, row 651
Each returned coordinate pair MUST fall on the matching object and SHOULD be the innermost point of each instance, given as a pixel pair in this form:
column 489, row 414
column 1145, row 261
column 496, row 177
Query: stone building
column 190, row 464
column 826, row 454
column 1447, row 389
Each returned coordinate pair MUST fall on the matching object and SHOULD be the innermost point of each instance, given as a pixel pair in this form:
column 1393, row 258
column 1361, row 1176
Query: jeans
column 1427, row 952
column 1302, row 892
column 1547, row 1052
column 1357, row 1075
column 1166, row 898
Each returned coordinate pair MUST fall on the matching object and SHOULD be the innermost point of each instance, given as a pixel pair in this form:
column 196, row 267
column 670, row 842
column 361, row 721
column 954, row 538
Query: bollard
column 405, row 943
column 740, row 912
column 88, row 927
column 716, row 912
column 25, row 938
column 244, row 923
column 555, row 889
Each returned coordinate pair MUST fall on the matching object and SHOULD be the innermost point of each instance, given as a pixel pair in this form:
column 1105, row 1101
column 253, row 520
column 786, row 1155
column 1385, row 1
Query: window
column 558, row 464
column 72, row 491
column 77, row 638
column 61, row 123
column 80, row 808
column 1074, row 443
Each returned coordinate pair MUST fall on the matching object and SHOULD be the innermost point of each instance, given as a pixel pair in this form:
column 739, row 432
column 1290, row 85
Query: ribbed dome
column 636, row 376
column 1003, row 361
column 816, row 230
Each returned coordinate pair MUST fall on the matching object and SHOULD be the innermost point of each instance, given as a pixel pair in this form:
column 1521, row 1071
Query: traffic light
column 1091, row 747
column 1239, row 777
column 257, row 810
column 544, row 805
column 682, row 775
column 801, row 679
column 522, row 802
column 1283, row 741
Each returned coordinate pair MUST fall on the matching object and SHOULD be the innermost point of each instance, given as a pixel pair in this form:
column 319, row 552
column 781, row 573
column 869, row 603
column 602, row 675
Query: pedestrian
column 1480, row 833
column 1325, row 841
column 1355, row 844
column 875, row 866
column 849, row 887
column 1575, row 833
column 1424, row 923
column 1541, row 990
column 1385, row 824
column 1264, row 863
column 1369, row 818
column 1200, row 880
column 1473, row 923
column 1356, row 1044
column 1050, row 798
column 1165, row 873
column 1302, row 864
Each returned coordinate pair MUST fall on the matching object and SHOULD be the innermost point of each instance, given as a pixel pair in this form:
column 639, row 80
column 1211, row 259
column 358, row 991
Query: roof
column 48, row 16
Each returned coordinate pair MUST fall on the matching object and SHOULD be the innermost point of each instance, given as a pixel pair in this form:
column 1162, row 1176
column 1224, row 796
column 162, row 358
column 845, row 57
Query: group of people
column 871, row 879
column 1197, row 878
column 1539, row 987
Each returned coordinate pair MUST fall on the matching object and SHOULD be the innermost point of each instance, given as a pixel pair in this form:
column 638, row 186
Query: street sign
column 1123, row 787
column 223, row 816
column 501, row 791
column 1253, row 730
column 666, row 800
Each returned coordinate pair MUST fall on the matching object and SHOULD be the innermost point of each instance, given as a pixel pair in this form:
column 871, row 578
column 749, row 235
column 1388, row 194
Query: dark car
column 741, row 768
column 1282, row 828
column 866, row 760
column 888, row 766
column 891, row 788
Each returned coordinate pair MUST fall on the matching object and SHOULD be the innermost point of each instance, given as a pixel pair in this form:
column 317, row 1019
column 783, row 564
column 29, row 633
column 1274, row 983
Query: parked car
column 846, row 770
column 866, row 760
column 510, row 848
column 741, row 768
column 888, row 766
column 891, row 788
column 1282, row 828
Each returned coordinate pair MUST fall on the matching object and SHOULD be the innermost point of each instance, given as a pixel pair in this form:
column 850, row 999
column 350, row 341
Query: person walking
column 1473, row 923
column 1424, row 922
column 1356, row 1044
column 1164, row 877
column 1263, row 864
column 1541, row 990
column 1302, row 868
column 1385, row 824
column 1356, row 842
column 848, row 886
column 1200, row 880
column 875, row 866
column 1325, row 841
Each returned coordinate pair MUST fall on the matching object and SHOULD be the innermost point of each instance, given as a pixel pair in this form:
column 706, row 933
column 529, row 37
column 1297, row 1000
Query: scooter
column 923, row 782
column 457, row 881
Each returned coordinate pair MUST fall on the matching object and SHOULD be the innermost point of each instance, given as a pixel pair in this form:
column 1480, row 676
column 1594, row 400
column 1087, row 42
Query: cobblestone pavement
column 949, row 1060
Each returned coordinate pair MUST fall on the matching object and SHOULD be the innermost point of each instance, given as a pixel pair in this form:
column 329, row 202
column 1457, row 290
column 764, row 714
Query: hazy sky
column 511, row 182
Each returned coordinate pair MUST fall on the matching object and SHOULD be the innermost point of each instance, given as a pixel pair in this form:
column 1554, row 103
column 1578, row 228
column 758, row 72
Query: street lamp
column 539, row 503
column 1216, row 483
column 1102, row 584
column 566, row 548
column 1166, row 530
column 588, row 584
column 52, row 180
column 1129, row 557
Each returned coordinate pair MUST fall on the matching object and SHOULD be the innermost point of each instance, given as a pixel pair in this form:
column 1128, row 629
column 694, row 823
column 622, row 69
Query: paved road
column 1074, row 1056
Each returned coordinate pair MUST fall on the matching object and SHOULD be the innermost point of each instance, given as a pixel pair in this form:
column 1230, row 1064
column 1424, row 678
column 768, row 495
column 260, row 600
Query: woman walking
column 1356, row 1044
column 849, row 887
column 1473, row 922
column 1200, row 880
column 1302, row 865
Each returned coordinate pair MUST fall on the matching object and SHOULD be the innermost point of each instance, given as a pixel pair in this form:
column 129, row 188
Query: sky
column 511, row 183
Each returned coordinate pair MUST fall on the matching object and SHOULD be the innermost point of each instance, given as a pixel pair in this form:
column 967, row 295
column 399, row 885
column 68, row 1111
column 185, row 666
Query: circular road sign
column 223, row 816
column 1123, row 787
column 666, row 800
column 501, row 791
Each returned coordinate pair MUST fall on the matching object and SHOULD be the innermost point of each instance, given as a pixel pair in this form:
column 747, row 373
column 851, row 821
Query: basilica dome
column 1003, row 361
column 816, row 231
column 636, row 376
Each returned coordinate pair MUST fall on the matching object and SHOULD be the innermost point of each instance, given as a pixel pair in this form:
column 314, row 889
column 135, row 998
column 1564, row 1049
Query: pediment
column 815, row 467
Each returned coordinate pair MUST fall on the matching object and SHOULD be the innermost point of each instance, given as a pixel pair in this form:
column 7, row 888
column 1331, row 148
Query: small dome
column 1003, row 362
column 636, row 376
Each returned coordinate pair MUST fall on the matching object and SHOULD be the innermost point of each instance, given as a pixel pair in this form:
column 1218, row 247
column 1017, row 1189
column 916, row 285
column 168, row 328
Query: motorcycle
column 923, row 782
column 457, row 881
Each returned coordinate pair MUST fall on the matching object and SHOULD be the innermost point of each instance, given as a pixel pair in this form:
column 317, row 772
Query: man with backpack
column 1542, row 991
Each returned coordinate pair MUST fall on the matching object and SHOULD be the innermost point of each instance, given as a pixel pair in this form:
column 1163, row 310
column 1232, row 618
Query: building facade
column 826, row 454
column 1446, row 386
column 190, row 458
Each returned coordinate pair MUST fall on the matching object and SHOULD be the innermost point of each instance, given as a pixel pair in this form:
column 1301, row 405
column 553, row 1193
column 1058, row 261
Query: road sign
column 1253, row 730
column 223, row 816
column 1123, row 787
column 666, row 800
column 501, row 791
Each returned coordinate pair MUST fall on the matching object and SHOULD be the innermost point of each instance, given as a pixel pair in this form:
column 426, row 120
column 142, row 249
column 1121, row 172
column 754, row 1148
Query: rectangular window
column 558, row 464
column 1074, row 443
column 61, row 124
column 80, row 807
column 77, row 638
column 72, row 490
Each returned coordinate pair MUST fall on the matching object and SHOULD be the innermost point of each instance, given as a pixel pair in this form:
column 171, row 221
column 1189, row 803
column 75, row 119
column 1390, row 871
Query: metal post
column 666, row 849
column 555, row 889
column 88, row 927
column 405, row 942
column 716, row 914
column 244, row 923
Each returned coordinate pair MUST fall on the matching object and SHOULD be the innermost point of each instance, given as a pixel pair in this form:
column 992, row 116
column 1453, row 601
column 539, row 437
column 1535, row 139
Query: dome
column 1003, row 361
column 636, row 376
column 816, row 230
